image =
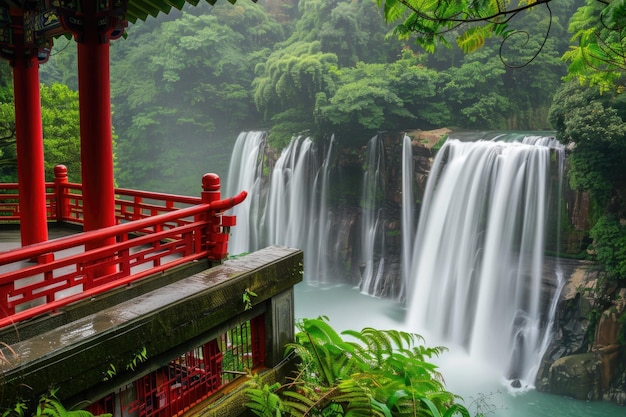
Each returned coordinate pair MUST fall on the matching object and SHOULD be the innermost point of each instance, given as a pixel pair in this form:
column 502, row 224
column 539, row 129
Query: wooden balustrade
column 152, row 236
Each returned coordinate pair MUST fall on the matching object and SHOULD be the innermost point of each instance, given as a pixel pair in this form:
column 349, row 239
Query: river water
column 482, row 388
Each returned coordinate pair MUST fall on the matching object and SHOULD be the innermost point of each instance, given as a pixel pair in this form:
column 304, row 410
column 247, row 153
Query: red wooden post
column 60, row 180
column 257, row 330
column 29, row 140
column 96, row 138
column 93, row 24
column 211, row 192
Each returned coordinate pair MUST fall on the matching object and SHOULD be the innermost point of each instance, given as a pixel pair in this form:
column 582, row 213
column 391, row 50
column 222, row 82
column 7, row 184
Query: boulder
column 576, row 376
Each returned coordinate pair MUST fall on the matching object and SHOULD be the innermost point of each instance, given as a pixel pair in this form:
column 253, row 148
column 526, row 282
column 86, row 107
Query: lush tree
column 181, row 90
column 61, row 130
column 61, row 133
column 290, row 83
column 61, row 67
column 587, row 120
column 609, row 245
column 597, row 55
column 353, row 30
column 371, row 372
column 474, row 92
column 373, row 97
column 7, row 123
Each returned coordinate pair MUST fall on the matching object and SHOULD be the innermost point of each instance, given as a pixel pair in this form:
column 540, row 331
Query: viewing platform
column 152, row 324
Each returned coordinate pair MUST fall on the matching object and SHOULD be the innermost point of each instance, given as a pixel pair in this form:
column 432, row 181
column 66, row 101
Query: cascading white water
column 290, row 207
column 475, row 274
column 244, row 173
column 408, row 211
column 372, row 228
column 477, row 267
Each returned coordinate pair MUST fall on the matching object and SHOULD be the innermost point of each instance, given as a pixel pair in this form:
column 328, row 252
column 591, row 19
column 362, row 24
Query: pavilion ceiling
column 41, row 21
column 142, row 9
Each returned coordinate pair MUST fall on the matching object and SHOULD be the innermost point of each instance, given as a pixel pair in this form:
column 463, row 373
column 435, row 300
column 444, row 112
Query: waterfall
column 287, row 207
column 477, row 268
column 471, row 270
column 245, row 173
column 372, row 223
column 408, row 210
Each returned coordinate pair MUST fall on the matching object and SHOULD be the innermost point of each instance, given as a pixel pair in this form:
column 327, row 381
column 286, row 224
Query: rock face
column 587, row 355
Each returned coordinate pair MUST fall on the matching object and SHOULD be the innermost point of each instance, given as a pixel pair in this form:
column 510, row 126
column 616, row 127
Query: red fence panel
column 190, row 378
column 43, row 277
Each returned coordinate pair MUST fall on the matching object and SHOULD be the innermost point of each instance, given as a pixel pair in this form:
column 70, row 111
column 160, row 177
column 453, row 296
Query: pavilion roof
column 141, row 9
column 43, row 23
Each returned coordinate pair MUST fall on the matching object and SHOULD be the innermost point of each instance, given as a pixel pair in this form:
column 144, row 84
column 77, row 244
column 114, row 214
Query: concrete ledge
column 164, row 322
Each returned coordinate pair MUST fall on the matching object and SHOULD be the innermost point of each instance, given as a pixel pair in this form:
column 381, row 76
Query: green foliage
column 110, row 372
column 430, row 21
column 439, row 143
column 372, row 97
column 588, row 121
column 598, row 57
column 181, row 89
column 609, row 245
column 139, row 357
column 247, row 298
column 353, row 30
column 61, row 132
column 48, row 405
column 290, row 83
column 475, row 92
column 8, row 157
column 367, row 373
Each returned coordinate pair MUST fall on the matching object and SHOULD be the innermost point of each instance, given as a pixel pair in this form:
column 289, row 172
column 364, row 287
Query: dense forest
column 185, row 84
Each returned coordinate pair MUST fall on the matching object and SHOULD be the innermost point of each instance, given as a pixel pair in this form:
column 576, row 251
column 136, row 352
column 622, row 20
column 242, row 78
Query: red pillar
column 29, row 139
column 96, row 138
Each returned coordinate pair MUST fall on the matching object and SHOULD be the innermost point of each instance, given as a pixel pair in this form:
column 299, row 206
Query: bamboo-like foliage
column 368, row 373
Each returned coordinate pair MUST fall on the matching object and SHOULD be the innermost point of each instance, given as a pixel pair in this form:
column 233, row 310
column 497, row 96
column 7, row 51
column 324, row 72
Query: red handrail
column 44, row 273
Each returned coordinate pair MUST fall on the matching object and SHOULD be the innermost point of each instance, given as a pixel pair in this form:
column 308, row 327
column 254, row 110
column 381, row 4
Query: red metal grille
column 190, row 378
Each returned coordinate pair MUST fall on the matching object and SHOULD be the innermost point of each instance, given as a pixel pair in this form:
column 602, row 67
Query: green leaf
column 473, row 38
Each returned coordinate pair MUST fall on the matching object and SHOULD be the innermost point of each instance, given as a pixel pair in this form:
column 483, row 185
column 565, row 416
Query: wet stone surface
column 76, row 354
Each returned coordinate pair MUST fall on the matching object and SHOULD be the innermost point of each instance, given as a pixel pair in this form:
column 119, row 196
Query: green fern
column 370, row 373
column 50, row 406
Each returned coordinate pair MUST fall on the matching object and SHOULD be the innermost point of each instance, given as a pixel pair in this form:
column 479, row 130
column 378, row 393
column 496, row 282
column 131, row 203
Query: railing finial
column 60, row 171
column 211, row 182
column 210, row 188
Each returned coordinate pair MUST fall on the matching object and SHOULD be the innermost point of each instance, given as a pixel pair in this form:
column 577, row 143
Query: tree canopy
column 597, row 55
column 185, row 84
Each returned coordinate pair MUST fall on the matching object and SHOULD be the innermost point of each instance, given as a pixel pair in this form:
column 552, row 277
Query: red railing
column 64, row 201
column 151, row 237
